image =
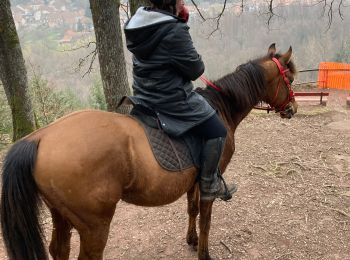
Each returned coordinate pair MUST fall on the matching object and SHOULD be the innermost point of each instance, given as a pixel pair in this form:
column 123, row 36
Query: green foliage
column 97, row 98
column 45, row 38
column 344, row 54
column 48, row 104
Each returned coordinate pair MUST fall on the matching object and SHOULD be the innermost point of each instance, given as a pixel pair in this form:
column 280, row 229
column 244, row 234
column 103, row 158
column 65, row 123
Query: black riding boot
column 211, row 183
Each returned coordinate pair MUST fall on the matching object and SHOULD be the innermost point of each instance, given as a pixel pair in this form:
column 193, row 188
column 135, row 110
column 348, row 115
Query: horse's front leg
column 192, row 210
column 204, row 226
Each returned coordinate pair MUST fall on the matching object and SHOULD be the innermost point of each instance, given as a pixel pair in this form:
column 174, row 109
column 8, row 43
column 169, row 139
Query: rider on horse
column 164, row 64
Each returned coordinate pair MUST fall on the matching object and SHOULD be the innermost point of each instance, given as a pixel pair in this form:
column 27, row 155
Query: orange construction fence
column 334, row 75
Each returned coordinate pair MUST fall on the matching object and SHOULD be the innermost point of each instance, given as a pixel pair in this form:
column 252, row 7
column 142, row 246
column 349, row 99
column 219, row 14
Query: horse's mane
column 241, row 89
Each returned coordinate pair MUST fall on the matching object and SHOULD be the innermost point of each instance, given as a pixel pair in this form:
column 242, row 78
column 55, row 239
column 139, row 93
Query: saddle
column 172, row 153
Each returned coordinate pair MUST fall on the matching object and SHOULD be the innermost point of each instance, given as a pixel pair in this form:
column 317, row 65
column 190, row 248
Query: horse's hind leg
column 60, row 241
column 93, row 242
column 192, row 210
column 93, row 231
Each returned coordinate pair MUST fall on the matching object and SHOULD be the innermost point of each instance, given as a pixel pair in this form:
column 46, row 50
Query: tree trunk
column 105, row 16
column 134, row 4
column 13, row 74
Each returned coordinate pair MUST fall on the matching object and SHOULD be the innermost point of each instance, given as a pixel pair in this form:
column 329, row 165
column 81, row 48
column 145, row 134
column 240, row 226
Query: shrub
column 48, row 104
column 97, row 98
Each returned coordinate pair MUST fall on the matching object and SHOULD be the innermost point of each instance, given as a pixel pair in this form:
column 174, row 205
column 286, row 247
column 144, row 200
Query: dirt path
column 293, row 200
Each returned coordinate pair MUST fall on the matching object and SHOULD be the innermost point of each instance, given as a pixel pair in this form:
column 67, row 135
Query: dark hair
column 166, row 5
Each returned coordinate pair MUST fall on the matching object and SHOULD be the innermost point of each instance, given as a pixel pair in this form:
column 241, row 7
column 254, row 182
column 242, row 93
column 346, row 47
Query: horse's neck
column 235, row 119
column 248, row 90
column 231, row 126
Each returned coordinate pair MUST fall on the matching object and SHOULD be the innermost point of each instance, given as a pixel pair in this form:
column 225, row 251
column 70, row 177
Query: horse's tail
column 20, row 203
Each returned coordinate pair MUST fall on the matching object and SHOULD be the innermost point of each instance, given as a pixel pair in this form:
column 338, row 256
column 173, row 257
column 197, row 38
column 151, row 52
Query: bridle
column 272, row 107
column 290, row 96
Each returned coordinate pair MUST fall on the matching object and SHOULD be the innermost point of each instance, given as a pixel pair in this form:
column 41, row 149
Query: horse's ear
column 287, row 56
column 272, row 50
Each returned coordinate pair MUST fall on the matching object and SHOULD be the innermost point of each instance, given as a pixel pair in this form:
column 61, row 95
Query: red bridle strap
column 209, row 83
column 282, row 71
column 286, row 80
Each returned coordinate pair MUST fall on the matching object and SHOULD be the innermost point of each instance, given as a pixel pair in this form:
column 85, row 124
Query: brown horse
column 84, row 163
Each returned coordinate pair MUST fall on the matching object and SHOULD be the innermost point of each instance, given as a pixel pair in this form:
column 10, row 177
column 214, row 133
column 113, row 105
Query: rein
column 268, row 108
column 209, row 83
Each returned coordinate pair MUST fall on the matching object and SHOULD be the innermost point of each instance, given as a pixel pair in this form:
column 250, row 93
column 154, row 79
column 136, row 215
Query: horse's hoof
column 192, row 240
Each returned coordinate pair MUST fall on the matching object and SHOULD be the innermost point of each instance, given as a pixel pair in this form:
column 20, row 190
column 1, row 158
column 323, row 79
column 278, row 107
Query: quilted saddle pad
column 171, row 153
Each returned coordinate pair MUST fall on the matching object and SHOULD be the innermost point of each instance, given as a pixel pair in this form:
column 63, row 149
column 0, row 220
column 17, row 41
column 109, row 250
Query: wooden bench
column 320, row 97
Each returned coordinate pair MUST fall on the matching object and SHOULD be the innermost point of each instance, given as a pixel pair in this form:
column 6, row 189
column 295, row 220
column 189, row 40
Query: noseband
column 290, row 96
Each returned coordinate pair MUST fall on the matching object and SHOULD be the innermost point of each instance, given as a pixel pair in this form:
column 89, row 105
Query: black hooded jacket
column 164, row 64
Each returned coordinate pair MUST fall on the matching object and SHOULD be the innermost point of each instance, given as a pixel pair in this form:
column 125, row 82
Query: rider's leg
column 211, row 182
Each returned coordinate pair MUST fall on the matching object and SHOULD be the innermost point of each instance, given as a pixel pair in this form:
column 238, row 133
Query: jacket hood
column 146, row 29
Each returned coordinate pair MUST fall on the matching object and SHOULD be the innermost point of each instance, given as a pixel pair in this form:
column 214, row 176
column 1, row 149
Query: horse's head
column 279, row 76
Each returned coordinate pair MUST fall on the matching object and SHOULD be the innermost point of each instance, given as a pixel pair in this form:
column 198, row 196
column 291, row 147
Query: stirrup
column 227, row 196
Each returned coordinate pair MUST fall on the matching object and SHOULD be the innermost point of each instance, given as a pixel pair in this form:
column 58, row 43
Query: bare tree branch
column 83, row 61
column 329, row 9
column 270, row 13
column 339, row 9
column 86, row 46
column 125, row 8
column 218, row 18
column 330, row 14
column 200, row 13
